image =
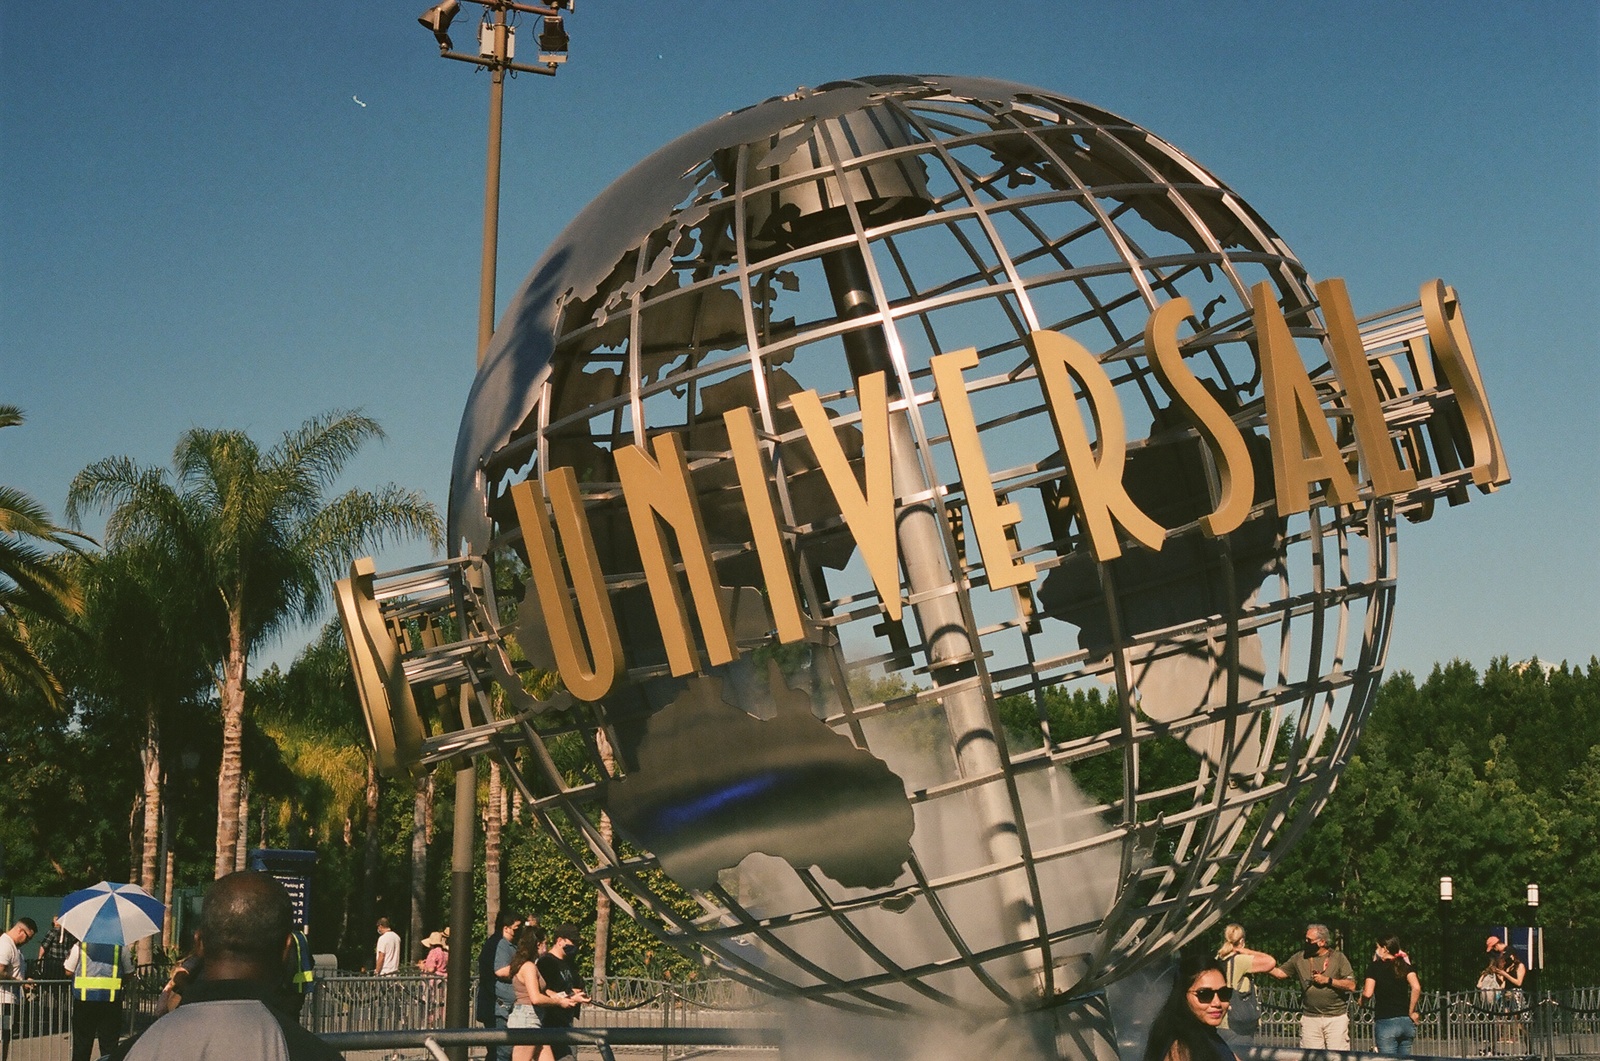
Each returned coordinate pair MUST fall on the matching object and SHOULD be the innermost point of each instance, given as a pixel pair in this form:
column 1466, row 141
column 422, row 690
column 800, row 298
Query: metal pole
column 459, row 974
column 491, row 188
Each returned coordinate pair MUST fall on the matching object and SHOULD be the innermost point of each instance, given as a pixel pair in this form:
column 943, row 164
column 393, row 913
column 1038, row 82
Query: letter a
column 1377, row 450
column 1303, row 449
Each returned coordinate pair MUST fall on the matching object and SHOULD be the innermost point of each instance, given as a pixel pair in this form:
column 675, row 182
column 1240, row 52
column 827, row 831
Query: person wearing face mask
column 1326, row 980
column 559, row 976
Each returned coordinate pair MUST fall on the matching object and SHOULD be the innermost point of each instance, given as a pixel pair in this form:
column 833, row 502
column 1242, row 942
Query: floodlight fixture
column 553, row 36
column 438, row 18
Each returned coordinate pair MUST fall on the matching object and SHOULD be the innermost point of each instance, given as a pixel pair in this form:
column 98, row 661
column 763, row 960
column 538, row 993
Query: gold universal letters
column 1304, row 452
column 1303, row 449
column 776, row 567
column 1234, row 470
column 651, row 489
column 584, row 681
column 1377, row 450
column 1097, row 483
column 1448, row 334
column 990, row 518
column 868, row 511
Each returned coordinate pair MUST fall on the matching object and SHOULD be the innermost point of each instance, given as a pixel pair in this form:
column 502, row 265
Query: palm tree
column 34, row 586
column 260, row 534
column 135, row 655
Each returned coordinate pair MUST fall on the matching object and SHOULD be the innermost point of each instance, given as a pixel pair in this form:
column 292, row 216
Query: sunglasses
column 1206, row 994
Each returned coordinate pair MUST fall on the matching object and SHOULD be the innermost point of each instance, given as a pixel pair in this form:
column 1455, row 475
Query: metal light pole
column 496, row 48
column 1447, row 894
column 1535, row 936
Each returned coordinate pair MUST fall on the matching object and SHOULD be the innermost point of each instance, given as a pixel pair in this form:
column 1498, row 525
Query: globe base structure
column 963, row 532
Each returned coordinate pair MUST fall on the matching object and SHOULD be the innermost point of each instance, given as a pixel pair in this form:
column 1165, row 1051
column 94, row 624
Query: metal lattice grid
column 803, row 245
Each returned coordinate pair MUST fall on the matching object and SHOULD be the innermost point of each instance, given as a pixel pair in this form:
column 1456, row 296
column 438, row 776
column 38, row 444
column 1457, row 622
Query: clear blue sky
column 199, row 225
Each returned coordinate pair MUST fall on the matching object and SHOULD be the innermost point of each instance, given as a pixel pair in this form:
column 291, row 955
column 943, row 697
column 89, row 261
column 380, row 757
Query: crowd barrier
column 1563, row 1024
column 1547, row 1025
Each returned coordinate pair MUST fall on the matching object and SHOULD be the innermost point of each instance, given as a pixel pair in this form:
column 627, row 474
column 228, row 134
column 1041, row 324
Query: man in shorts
column 1326, row 981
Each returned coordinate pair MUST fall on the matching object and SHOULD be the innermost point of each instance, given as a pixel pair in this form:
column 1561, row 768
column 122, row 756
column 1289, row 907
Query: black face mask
column 1310, row 950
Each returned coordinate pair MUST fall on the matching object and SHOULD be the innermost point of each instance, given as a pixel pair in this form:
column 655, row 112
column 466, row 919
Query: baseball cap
column 1491, row 943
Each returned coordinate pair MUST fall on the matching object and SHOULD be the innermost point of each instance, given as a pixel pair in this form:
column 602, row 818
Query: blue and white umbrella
column 112, row 913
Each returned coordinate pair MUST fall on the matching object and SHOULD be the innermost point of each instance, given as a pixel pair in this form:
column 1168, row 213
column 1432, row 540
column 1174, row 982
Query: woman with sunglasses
column 1186, row 1027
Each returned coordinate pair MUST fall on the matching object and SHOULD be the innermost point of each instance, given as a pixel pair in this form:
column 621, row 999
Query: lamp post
column 1447, row 894
column 1535, row 936
column 496, row 52
column 496, row 49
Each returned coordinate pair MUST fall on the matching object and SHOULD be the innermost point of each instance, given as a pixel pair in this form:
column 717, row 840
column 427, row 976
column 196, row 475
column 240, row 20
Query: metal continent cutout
column 716, row 784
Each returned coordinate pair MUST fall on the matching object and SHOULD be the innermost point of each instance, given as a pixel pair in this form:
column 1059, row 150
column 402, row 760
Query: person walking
column 11, row 970
column 386, row 958
column 1326, row 981
column 559, row 976
column 530, row 991
column 1187, row 1026
column 1239, row 964
column 496, row 996
column 1395, row 992
column 97, row 971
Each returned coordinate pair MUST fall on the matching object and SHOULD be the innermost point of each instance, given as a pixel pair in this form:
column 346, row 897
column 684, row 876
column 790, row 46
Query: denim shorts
column 523, row 1016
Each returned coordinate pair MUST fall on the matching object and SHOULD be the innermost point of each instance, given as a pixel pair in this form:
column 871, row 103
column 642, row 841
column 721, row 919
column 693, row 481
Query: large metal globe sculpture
column 888, row 686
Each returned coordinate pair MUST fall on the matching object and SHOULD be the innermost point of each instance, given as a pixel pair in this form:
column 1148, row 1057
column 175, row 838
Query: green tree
column 256, row 529
column 134, row 658
column 35, row 587
column 1493, row 780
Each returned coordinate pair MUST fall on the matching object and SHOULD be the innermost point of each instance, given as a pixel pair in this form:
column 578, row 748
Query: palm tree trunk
column 169, row 935
column 360, row 903
column 231, row 775
column 602, row 901
column 241, row 841
column 493, row 817
column 150, row 759
column 419, row 854
column 369, row 854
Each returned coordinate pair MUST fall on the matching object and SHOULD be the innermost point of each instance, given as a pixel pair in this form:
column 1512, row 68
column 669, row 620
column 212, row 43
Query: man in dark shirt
column 560, row 977
column 495, row 994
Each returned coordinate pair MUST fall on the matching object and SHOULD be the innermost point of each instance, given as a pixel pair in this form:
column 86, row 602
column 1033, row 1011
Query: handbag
column 1488, row 990
column 1245, row 1012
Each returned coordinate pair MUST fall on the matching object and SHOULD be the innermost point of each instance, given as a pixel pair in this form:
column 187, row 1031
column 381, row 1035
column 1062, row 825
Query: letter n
column 661, row 487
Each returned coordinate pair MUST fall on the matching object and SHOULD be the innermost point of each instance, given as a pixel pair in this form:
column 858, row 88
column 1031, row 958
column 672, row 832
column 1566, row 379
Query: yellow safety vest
column 98, row 979
column 303, row 963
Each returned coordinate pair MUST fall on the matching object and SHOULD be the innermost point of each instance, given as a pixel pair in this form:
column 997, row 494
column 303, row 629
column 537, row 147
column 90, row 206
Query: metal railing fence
column 1545, row 1025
